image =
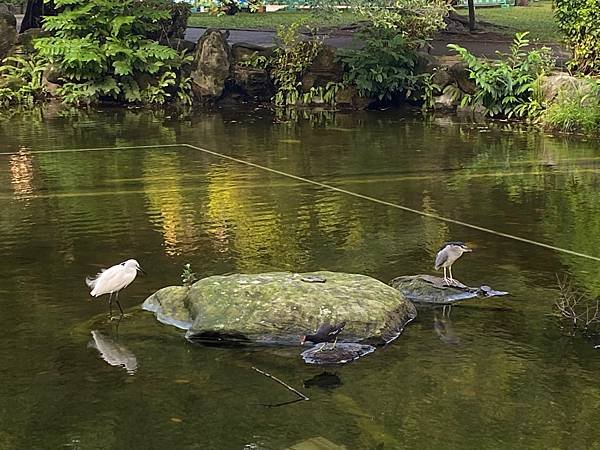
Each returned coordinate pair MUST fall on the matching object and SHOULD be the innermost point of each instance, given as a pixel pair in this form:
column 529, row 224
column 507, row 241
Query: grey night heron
column 447, row 255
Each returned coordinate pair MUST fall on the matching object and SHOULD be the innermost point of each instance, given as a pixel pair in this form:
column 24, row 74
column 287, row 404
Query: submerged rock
column 430, row 289
column 280, row 307
column 340, row 354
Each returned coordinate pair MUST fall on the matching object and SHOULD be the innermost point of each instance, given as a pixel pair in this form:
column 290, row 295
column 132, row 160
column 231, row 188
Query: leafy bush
column 415, row 20
column 509, row 87
column 290, row 62
column 575, row 112
column 102, row 50
column 22, row 81
column 384, row 66
column 579, row 21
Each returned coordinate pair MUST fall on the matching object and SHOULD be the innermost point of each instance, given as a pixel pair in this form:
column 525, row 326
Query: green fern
column 102, row 49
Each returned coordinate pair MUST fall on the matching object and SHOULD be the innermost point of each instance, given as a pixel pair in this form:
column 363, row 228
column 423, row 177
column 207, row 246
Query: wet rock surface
column 430, row 289
column 279, row 307
column 340, row 354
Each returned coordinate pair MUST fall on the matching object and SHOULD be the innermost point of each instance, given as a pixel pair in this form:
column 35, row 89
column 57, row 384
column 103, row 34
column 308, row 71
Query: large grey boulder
column 324, row 68
column 254, row 83
column 280, row 307
column 8, row 34
column 552, row 86
column 211, row 67
column 245, row 50
column 461, row 74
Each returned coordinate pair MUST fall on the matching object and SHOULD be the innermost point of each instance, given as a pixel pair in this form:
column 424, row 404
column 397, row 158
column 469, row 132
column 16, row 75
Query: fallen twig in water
column 287, row 386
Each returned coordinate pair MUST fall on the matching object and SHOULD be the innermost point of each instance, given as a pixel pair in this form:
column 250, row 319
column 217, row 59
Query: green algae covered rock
column 280, row 307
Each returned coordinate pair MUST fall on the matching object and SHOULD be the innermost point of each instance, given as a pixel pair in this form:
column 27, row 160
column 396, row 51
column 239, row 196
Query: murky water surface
column 499, row 374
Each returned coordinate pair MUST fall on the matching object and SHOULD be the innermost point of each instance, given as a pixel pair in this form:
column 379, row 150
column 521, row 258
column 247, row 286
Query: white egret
column 112, row 280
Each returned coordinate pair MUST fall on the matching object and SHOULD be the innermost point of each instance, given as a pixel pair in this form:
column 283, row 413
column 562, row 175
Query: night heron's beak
column 302, row 340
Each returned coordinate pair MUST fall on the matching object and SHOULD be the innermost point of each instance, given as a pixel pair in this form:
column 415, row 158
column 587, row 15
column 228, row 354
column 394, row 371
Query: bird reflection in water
column 114, row 353
column 443, row 328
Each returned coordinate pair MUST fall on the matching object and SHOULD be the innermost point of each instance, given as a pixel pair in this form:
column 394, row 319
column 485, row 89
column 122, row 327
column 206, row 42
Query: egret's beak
column 142, row 270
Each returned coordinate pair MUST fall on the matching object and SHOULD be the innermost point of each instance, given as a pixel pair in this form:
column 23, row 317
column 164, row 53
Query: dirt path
column 480, row 44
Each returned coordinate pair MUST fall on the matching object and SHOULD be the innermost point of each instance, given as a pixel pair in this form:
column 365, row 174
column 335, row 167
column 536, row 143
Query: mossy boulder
column 279, row 307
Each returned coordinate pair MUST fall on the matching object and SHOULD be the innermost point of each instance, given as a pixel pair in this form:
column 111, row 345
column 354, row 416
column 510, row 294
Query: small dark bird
column 325, row 333
column 447, row 255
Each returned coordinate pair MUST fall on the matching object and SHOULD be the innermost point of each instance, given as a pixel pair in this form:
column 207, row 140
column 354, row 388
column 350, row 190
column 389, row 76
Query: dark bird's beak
column 302, row 340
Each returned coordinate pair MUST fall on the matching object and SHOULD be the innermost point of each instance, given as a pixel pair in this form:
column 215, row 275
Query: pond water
column 500, row 373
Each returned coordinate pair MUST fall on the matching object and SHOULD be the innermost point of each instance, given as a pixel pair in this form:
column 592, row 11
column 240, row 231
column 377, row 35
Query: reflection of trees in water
column 21, row 170
column 169, row 206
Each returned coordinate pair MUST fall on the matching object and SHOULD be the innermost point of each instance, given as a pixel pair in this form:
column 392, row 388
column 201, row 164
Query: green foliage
column 429, row 89
column 188, row 276
column 384, row 66
column 415, row 20
column 290, row 62
column 22, row 80
column 255, row 61
column 323, row 94
column 579, row 22
column 508, row 87
column 102, row 50
column 575, row 112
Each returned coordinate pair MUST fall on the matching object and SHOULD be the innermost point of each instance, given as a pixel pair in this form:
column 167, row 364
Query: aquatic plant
column 577, row 309
column 188, row 276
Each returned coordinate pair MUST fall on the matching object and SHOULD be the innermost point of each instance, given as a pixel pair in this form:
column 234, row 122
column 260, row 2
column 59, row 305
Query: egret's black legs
column 110, row 305
column 119, row 305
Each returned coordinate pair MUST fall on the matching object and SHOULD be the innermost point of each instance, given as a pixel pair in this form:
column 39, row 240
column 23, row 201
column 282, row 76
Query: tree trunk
column 471, row 15
column 34, row 13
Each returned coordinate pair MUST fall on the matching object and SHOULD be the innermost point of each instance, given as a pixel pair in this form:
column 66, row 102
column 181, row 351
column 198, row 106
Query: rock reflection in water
column 324, row 380
column 114, row 353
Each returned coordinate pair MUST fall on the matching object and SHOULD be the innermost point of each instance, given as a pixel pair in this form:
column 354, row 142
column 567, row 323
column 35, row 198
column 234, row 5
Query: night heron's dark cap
column 459, row 243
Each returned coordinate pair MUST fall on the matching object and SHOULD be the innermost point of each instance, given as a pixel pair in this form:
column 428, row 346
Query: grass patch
column 270, row 20
column 570, row 116
column 576, row 110
column 538, row 19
